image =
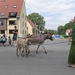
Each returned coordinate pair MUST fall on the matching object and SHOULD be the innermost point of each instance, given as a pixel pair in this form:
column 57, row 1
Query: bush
column 65, row 36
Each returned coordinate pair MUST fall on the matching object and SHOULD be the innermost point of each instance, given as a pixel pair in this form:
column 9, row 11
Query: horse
column 39, row 39
column 22, row 43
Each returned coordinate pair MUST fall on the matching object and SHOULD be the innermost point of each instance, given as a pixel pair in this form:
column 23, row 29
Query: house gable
column 32, row 27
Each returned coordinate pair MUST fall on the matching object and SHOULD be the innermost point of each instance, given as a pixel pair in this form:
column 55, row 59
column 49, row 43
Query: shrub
column 65, row 36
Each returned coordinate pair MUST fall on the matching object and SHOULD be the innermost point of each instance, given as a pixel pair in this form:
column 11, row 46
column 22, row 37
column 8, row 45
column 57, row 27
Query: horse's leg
column 44, row 49
column 27, row 51
column 21, row 52
column 20, row 49
column 17, row 51
column 37, row 49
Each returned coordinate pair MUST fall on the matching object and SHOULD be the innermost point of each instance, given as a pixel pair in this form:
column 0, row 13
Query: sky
column 55, row 12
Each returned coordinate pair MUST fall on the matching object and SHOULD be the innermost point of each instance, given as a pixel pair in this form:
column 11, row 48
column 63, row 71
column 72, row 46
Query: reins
column 56, row 43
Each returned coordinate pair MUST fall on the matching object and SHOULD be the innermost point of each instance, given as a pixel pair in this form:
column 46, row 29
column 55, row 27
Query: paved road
column 53, row 63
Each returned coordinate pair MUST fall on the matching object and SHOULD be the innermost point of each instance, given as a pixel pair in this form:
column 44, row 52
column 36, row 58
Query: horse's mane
column 47, row 33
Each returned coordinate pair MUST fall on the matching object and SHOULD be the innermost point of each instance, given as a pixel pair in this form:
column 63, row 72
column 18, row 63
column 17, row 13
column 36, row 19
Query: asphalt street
column 52, row 63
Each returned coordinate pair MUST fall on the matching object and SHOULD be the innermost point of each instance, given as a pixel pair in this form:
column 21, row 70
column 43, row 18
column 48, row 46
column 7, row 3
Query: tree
column 68, row 25
column 45, row 31
column 61, row 29
column 37, row 19
column 52, row 31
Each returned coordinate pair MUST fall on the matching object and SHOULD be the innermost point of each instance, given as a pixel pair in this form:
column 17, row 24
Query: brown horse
column 39, row 39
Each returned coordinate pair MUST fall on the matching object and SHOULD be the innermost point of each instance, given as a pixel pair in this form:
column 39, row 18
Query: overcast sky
column 55, row 12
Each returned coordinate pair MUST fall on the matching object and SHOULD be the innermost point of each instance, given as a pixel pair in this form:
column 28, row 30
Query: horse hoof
column 28, row 52
column 17, row 55
column 22, row 55
column 25, row 51
column 45, row 52
column 26, row 55
column 22, row 51
column 36, row 52
column 20, row 48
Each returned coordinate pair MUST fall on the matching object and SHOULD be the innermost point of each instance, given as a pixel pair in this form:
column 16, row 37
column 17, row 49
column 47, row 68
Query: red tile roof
column 10, row 4
column 32, row 24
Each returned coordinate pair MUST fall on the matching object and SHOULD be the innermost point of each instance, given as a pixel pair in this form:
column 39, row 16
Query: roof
column 32, row 24
column 7, row 6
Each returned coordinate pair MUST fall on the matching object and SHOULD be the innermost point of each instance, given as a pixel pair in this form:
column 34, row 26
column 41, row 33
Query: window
column 1, row 22
column 2, row 31
column 12, row 14
column 23, row 23
column 23, row 31
column 11, row 31
column 15, row 6
column 22, row 15
column 2, row 13
column 6, row 6
column 14, row 22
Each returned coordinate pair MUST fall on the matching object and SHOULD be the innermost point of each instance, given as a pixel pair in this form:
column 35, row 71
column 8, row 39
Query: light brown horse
column 39, row 39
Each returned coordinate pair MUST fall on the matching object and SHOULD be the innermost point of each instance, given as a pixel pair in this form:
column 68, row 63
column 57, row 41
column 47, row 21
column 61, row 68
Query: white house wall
column 29, row 28
column 23, row 19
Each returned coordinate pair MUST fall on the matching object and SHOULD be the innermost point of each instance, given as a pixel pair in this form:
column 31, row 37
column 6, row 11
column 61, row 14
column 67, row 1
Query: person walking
column 71, row 57
column 70, row 36
column 9, row 39
column 15, row 32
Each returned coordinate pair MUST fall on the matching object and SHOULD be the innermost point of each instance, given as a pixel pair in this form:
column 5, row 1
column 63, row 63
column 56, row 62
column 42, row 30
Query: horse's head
column 49, row 36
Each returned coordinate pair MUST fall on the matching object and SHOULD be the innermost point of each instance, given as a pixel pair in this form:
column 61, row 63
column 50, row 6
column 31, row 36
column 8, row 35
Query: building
column 32, row 28
column 13, row 12
column 67, row 32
